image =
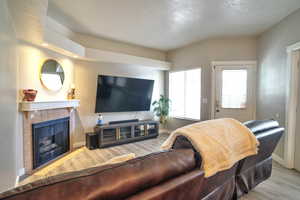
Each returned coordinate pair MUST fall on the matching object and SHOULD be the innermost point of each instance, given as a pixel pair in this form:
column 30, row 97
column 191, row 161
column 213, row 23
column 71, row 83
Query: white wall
column 8, row 99
column 86, row 74
column 31, row 61
column 117, row 46
column 272, row 70
column 201, row 54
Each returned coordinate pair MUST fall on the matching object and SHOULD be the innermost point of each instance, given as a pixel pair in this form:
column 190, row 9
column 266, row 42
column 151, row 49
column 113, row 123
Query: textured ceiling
column 169, row 24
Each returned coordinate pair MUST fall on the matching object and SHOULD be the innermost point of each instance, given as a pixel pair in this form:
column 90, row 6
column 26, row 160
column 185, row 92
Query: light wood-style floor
column 284, row 184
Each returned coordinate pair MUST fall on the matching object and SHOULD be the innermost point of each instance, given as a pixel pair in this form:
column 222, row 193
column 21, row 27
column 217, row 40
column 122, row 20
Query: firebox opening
column 50, row 140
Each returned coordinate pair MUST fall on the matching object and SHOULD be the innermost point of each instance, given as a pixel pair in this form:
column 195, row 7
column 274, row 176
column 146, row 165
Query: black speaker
column 91, row 140
column 123, row 121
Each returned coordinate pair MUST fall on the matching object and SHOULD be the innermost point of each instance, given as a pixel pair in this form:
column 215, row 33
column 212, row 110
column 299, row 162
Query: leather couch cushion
column 257, row 126
column 182, row 142
column 111, row 182
column 185, row 187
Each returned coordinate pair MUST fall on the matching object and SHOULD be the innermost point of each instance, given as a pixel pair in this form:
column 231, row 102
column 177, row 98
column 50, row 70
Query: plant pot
column 163, row 119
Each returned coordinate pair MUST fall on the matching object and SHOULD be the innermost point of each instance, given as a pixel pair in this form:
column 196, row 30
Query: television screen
column 120, row 94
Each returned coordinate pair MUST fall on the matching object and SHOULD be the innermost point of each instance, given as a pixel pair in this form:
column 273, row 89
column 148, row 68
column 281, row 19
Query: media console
column 121, row 133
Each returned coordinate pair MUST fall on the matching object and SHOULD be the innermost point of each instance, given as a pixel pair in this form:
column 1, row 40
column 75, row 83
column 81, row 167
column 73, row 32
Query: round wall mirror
column 52, row 75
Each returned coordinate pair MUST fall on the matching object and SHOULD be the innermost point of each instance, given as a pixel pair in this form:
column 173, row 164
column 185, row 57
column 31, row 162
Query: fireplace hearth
column 50, row 140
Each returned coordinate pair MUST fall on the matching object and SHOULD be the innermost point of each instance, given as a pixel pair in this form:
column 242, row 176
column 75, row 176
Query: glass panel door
column 234, row 88
column 235, row 92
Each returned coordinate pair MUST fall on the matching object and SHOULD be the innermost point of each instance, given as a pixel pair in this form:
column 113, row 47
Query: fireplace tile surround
column 39, row 115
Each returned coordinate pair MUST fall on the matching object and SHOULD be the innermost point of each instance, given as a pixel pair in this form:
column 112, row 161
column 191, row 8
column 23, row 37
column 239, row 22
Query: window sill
column 185, row 118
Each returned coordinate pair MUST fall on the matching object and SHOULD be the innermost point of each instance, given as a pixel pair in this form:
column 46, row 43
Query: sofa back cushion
column 268, row 134
column 259, row 126
column 111, row 182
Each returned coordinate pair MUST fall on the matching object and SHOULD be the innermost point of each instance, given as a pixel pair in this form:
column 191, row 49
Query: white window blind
column 185, row 93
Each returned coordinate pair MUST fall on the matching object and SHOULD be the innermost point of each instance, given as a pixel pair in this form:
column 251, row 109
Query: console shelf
column 116, row 134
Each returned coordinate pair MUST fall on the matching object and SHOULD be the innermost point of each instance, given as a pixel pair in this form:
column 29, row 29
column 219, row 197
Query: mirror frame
column 41, row 72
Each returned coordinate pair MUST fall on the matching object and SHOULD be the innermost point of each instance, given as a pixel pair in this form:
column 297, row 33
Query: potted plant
column 161, row 108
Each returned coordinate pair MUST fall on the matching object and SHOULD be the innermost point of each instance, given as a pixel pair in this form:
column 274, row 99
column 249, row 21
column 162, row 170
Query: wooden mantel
column 27, row 106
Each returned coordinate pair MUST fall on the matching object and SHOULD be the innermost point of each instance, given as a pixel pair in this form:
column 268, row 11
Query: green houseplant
column 161, row 108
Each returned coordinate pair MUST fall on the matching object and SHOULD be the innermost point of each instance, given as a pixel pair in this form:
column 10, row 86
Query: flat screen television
column 121, row 94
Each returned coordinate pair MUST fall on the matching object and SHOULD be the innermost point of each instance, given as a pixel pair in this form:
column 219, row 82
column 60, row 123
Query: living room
column 185, row 55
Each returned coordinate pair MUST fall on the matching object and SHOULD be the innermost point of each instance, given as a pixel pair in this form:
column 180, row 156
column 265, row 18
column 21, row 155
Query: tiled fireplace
column 50, row 140
column 48, row 131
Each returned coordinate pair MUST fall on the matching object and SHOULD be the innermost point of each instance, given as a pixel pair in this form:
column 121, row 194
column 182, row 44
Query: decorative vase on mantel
column 71, row 93
column 29, row 94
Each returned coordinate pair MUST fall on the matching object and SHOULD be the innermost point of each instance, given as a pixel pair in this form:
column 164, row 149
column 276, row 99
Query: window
column 185, row 93
column 234, row 88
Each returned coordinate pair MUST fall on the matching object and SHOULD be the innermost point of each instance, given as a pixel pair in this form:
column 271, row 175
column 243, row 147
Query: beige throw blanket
column 221, row 143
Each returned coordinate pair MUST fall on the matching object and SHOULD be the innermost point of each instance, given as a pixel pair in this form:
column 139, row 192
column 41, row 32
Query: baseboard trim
column 278, row 159
column 21, row 172
column 17, row 181
column 78, row 144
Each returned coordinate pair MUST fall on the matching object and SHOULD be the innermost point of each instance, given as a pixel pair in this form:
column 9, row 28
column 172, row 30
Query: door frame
column 293, row 57
column 213, row 83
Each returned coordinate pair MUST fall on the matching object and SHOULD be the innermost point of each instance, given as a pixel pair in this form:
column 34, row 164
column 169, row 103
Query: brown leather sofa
column 168, row 175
